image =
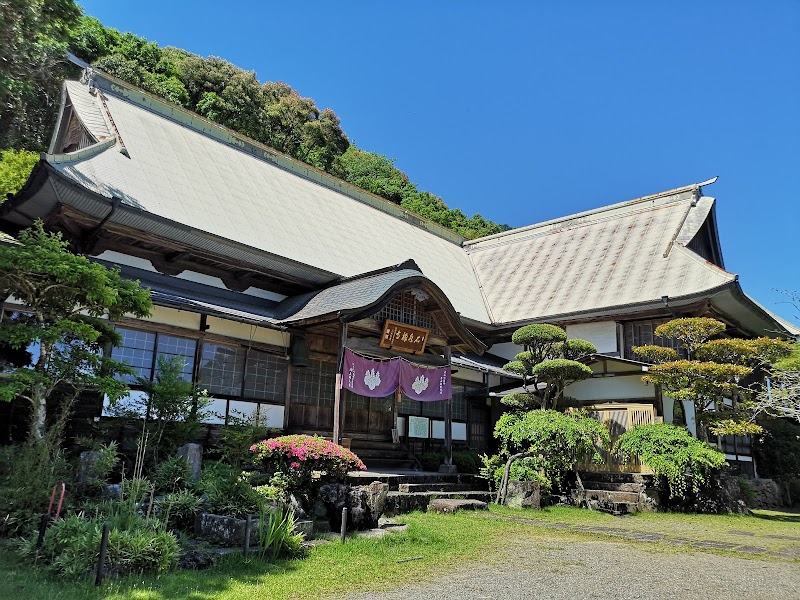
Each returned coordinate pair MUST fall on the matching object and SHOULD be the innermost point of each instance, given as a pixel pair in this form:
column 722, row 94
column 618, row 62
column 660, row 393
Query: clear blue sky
column 525, row 111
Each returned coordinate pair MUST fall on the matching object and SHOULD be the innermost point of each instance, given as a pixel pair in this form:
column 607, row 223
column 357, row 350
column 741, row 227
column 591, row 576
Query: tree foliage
column 65, row 301
column 719, row 379
column 547, row 365
column 672, row 453
column 552, row 441
column 15, row 167
column 35, row 36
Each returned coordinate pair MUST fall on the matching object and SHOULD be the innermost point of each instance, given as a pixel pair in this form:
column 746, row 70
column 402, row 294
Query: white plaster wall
column 506, row 350
column 172, row 316
column 620, row 389
column 688, row 410
column 466, row 374
column 125, row 259
column 119, row 258
column 247, row 332
column 603, row 334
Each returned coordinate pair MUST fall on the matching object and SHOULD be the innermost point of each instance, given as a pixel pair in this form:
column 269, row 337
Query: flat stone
column 751, row 549
column 714, row 545
column 448, row 469
column 380, row 532
column 445, row 506
column 737, row 532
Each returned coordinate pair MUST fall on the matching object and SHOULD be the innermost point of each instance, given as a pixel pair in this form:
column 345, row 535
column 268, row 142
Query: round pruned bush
column 539, row 333
column 673, row 454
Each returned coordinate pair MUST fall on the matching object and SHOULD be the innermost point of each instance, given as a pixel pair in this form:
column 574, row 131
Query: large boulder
column 523, row 494
column 364, row 504
column 445, row 506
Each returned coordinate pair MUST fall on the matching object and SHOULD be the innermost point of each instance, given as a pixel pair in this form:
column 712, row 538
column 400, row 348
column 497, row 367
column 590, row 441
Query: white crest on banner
column 372, row 379
column 420, row 384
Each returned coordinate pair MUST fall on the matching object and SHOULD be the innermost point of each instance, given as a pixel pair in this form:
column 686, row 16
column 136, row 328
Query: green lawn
column 437, row 543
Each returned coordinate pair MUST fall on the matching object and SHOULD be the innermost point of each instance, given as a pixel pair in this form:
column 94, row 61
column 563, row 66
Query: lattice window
column 136, row 350
column 222, row 369
column 315, row 384
column 642, row 333
column 405, row 308
column 265, row 376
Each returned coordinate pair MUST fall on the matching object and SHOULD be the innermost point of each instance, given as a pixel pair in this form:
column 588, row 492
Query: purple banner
column 371, row 378
column 425, row 383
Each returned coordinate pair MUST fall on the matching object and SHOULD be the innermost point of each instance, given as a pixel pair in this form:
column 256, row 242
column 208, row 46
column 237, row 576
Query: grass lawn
column 766, row 529
column 437, row 543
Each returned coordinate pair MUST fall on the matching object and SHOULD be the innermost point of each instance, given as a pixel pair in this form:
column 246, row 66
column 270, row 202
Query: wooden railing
column 619, row 418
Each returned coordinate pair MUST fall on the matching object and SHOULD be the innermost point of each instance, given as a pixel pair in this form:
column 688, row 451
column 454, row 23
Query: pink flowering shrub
column 297, row 457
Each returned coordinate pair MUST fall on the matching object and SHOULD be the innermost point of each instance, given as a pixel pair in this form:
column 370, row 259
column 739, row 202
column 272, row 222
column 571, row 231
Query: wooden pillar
column 338, row 401
column 448, row 417
column 287, row 394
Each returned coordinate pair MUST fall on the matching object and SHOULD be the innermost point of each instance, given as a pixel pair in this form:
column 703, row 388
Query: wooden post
column 101, row 559
column 448, row 417
column 248, row 524
column 287, row 396
column 338, row 401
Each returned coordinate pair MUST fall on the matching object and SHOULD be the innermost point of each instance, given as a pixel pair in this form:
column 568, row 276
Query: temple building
column 264, row 271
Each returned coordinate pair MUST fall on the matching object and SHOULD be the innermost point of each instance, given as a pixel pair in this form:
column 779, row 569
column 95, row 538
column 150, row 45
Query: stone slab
column 445, row 506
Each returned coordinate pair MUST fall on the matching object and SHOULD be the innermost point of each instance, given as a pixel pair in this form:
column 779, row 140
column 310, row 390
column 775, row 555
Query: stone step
column 372, row 445
column 440, row 486
column 378, row 453
column 611, row 496
column 398, row 503
column 614, row 487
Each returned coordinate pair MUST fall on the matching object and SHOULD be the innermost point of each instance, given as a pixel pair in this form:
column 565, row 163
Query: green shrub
column 526, row 469
column 467, row 461
column 71, row 547
column 277, row 535
column 431, row 460
column 672, row 453
column 172, row 474
column 95, row 477
column 747, row 491
column 29, row 473
column 227, row 493
column 179, row 509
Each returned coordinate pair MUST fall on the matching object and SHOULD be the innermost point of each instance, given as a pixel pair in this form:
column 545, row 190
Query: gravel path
column 599, row 569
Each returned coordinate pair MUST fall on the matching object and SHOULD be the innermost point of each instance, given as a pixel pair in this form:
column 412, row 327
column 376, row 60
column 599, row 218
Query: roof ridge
column 593, row 211
column 266, row 153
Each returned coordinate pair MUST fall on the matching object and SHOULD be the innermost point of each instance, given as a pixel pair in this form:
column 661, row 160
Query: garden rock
column 195, row 560
column 364, row 504
column 444, row 506
column 223, row 530
column 193, row 453
column 523, row 494
column 377, row 493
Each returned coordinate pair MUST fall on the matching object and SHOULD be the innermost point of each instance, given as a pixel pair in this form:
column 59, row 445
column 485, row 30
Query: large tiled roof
column 210, row 187
column 626, row 254
column 175, row 171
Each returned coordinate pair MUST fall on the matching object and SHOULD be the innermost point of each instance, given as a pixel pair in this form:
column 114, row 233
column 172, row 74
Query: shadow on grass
column 783, row 517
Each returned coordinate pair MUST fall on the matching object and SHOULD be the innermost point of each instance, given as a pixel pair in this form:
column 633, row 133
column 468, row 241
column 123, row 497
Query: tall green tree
column 65, row 302
column 716, row 377
column 547, row 364
column 34, row 37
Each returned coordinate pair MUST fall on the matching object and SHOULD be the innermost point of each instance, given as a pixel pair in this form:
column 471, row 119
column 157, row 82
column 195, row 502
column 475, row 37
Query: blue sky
column 526, row 111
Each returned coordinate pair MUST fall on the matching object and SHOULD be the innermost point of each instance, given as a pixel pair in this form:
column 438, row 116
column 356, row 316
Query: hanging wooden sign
column 404, row 338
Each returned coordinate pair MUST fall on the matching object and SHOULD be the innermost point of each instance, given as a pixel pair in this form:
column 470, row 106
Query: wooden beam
column 338, row 400
column 448, row 418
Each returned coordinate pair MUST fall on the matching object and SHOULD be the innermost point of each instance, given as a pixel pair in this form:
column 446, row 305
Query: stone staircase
column 410, row 491
column 615, row 493
column 382, row 455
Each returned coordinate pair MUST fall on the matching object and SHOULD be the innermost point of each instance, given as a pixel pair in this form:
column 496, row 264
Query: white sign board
column 437, row 430
column 460, row 431
column 418, row 427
